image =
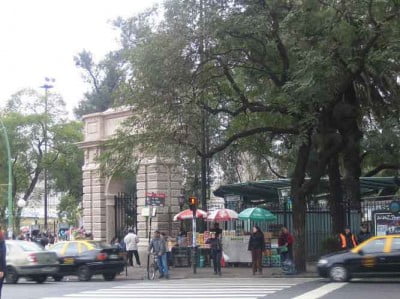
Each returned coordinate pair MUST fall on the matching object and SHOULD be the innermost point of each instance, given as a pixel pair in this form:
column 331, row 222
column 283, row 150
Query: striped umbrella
column 222, row 215
column 188, row 214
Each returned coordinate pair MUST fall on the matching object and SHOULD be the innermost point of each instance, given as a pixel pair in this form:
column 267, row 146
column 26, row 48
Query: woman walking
column 2, row 259
column 256, row 246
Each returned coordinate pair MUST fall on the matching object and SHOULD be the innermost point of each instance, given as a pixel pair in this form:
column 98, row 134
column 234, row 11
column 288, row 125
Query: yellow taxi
column 86, row 258
column 377, row 256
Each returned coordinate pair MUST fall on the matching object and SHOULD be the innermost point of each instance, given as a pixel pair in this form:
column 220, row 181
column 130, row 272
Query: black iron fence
column 125, row 213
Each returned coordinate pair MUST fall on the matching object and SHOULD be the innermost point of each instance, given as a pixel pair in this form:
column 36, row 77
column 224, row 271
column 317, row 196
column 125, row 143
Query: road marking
column 322, row 291
column 223, row 288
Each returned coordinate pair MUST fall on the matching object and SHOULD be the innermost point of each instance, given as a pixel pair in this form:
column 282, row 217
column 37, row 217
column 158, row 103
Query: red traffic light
column 193, row 201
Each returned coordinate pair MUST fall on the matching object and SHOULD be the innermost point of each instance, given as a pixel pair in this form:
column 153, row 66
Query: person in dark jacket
column 364, row 234
column 256, row 246
column 347, row 240
column 3, row 264
column 216, row 252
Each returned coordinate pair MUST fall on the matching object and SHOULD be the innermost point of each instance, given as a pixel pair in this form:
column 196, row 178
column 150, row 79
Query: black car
column 87, row 258
column 377, row 256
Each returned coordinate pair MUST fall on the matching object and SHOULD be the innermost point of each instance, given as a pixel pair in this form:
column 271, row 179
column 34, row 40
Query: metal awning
column 269, row 189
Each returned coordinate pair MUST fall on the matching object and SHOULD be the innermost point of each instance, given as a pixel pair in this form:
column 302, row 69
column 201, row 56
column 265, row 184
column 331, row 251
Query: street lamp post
column 9, row 197
column 284, row 196
column 46, row 87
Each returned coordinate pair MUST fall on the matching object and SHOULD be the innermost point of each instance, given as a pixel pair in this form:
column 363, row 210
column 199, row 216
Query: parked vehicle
column 27, row 259
column 377, row 256
column 87, row 258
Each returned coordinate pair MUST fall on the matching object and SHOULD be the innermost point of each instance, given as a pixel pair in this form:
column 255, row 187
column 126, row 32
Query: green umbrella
column 257, row 214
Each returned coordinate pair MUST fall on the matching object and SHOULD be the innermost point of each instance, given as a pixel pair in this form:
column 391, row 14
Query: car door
column 371, row 257
column 70, row 255
column 393, row 256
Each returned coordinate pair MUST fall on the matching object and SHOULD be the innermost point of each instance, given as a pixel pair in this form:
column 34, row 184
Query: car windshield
column 99, row 245
column 29, row 246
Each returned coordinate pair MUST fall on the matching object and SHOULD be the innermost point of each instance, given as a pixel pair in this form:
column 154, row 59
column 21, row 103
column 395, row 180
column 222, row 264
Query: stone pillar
column 94, row 203
column 158, row 176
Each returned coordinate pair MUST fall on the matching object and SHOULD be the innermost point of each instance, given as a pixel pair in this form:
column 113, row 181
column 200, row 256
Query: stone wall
column 158, row 175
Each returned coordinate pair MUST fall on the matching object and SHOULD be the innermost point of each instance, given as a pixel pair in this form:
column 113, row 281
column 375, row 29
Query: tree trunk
column 336, row 196
column 299, row 207
column 346, row 114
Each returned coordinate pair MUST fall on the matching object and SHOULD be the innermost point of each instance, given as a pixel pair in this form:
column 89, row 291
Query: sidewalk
column 139, row 273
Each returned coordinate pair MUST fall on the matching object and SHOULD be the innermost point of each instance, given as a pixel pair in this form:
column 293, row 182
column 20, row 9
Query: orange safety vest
column 343, row 240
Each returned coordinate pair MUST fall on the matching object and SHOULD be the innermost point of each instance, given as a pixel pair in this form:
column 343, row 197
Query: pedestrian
column 364, row 234
column 285, row 243
column 256, row 246
column 216, row 252
column 131, row 240
column 347, row 240
column 3, row 263
column 159, row 249
column 217, row 230
column 169, row 249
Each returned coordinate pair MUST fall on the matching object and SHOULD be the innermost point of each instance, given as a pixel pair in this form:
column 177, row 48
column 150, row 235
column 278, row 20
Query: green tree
column 103, row 78
column 295, row 71
column 25, row 118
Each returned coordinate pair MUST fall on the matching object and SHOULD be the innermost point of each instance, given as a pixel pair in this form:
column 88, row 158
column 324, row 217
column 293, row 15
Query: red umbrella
column 188, row 214
column 222, row 215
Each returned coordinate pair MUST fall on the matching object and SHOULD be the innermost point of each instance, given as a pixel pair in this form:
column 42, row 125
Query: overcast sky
column 39, row 39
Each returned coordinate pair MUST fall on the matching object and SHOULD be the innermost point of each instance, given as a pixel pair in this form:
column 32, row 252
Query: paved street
column 243, row 288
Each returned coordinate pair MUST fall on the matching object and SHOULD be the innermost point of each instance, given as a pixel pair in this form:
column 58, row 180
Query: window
column 72, row 249
column 374, row 246
column 29, row 246
column 57, row 248
column 396, row 244
column 83, row 248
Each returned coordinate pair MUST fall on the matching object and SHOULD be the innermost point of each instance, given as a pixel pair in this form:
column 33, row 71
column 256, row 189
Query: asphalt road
column 212, row 288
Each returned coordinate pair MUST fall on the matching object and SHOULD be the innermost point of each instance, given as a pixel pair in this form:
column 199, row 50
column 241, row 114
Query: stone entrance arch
column 154, row 175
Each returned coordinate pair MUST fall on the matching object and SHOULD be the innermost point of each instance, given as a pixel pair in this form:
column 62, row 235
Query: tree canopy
column 309, row 78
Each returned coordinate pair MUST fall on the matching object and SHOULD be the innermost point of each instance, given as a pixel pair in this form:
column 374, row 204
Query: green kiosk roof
column 268, row 189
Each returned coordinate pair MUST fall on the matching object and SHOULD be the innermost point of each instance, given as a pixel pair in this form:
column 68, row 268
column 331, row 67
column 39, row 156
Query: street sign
column 155, row 199
column 394, row 207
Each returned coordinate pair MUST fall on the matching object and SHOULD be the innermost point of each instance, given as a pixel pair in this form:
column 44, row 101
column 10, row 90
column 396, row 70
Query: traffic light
column 193, row 202
column 394, row 207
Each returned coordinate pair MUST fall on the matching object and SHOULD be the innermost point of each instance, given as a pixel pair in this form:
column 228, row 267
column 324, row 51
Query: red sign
column 155, row 199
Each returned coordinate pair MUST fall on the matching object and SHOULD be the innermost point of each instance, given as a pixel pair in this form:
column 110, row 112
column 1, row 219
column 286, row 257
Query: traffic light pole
column 194, row 245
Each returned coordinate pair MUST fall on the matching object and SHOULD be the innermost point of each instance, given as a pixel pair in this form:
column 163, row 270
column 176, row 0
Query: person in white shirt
column 131, row 240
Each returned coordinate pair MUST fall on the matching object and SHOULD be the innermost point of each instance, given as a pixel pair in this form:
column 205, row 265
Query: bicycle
column 153, row 272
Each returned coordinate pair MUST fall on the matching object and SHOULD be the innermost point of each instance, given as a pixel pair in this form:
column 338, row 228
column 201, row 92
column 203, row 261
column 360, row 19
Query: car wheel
column 58, row 277
column 11, row 275
column 84, row 273
column 339, row 273
column 40, row 278
column 109, row 276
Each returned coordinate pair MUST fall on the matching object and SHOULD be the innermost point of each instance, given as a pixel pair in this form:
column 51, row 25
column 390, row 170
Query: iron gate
column 125, row 213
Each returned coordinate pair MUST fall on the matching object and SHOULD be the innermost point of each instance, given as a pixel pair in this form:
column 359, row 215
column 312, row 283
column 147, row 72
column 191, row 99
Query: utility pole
column 9, row 193
column 46, row 87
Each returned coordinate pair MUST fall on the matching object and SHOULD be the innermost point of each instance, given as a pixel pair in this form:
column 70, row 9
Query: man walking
column 159, row 248
column 131, row 240
column 216, row 252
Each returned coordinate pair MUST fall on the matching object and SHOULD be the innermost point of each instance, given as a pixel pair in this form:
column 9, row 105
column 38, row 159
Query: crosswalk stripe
column 205, row 289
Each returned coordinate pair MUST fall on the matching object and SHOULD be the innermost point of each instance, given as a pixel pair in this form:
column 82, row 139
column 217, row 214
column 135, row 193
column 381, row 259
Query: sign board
column 146, row 212
column 386, row 223
column 155, row 199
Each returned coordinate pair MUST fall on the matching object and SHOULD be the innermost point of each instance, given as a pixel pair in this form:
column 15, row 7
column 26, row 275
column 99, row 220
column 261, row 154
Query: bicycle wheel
column 153, row 269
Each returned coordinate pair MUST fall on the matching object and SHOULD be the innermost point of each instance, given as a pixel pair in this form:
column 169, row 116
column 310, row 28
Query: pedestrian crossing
column 218, row 288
